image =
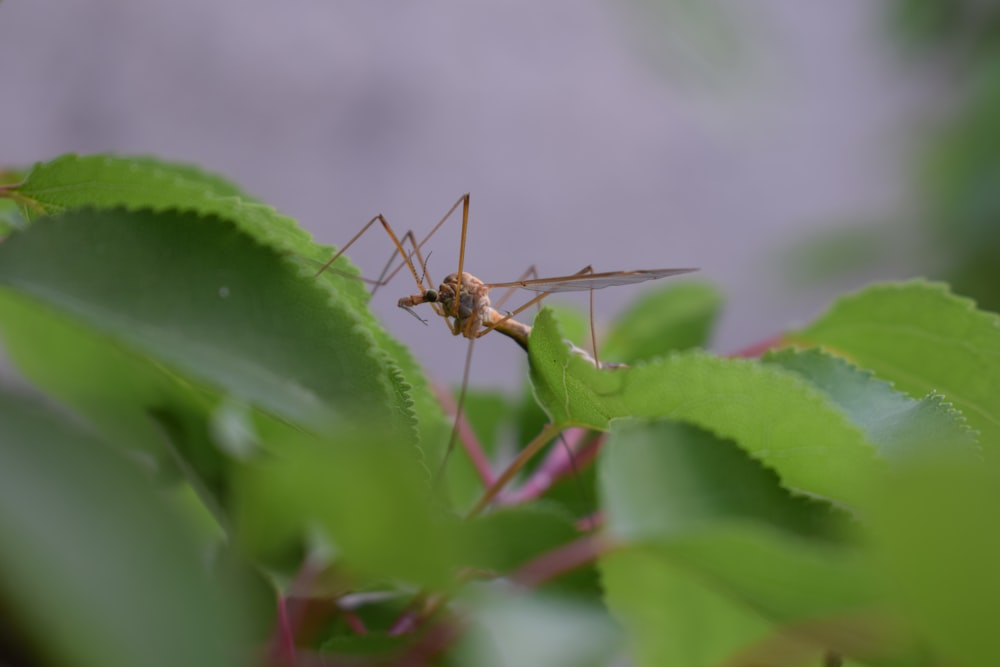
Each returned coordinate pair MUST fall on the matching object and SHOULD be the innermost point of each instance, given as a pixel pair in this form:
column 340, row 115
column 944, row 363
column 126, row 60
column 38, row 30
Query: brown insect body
column 473, row 314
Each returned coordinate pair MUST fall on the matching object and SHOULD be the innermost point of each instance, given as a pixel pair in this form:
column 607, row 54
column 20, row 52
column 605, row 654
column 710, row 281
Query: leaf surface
column 101, row 570
column 199, row 297
column 775, row 415
column 714, row 555
column 925, row 340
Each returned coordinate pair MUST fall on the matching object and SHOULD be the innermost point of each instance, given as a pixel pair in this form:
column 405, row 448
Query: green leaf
column 896, row 424
column 678, row 317
column 199, row 297
column 141, row 183
column 934, row 529
column 663, row 479
column 110, row 181
column 10, row 217
column 510, row 537
column 513, row 630
column 574, row 323
column 96, row 566
column 923, row 339
column 774, row 415
column 711, row 554
column 489, row 415
column 107, row 181
column 671, row 617
column 365, row 490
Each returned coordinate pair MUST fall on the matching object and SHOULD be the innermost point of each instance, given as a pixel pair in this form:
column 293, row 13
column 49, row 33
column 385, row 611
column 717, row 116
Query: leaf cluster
column 224, row 459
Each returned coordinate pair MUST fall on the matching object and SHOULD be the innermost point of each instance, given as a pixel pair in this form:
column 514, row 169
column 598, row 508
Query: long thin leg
column 464, row 198
column 593, row 333
column 344, row 248
column 465, row 376
column 382, row 280
column 466, row 436
column 395, row 240
column 461, row 252
column 531, row 271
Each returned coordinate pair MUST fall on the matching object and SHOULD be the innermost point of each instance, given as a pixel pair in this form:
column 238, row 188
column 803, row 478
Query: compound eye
column 431, row 296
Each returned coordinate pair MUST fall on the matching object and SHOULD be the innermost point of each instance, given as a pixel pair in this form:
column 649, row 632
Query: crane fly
column 463, row 300
column 472, row 314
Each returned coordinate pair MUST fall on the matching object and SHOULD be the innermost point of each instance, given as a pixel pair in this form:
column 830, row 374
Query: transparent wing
column 587, row 281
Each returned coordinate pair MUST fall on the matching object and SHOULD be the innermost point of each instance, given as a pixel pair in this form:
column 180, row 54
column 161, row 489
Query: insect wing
column 587, row 281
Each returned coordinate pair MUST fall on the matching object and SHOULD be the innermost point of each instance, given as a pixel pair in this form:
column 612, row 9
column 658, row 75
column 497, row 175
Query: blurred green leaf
column 10, row 218
column 823, row 256
column 365, row 490
column 921, row 21
column 704, row 42
column 514, row 630
column 713, row 555
column 489, row 414
column 678, row 317
column 113, row 386
column 897, row 425
column 508, row 538
column 934, row 529
column 666, row 479
column 99, row 568
column 199, row 297
column 107, row 181
column 141, row 183
column 923, row 339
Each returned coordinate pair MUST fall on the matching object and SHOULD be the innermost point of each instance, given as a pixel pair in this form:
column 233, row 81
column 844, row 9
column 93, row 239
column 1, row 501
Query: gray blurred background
column 727, row 135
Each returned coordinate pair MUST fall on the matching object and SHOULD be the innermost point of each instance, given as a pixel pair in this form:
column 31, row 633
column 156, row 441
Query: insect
column 463, row 300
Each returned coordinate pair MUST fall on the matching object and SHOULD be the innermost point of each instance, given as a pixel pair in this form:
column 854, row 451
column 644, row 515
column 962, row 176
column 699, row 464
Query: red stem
column 354, row 622
column 759, row 348
column 470, row 443
column 283, row 643
column 562, row 559
column 558, row 463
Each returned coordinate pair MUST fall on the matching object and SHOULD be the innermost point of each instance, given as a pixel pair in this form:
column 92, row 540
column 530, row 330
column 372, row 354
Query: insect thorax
column 473, row 299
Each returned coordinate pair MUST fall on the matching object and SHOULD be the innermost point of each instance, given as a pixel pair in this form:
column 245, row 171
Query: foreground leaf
column 200, row 298
column 775, row 415
column 933, row 524
column 713, row 555
column 925, row 340
column 95, row 565
column 897, row 425
column 111, row 181
column 514, row 630
column 364, row 490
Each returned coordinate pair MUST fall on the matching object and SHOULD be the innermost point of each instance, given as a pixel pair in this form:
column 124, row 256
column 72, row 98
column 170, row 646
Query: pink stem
column 283, row 646
column 354, row 622
column 406, row 622
column 470, row 443
column 283, row 639
column 559, row 463
column 759, row 348
column 591, row 522
column 561, row 560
